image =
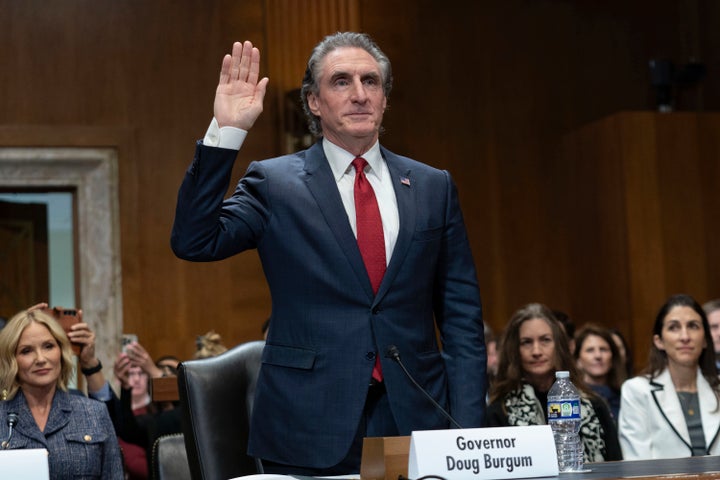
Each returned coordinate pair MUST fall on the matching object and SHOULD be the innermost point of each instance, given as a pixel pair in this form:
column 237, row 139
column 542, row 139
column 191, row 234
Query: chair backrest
column 169, row 458
column 216, row 398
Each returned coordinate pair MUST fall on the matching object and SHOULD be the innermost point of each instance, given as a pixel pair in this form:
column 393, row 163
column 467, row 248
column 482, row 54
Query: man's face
column 714, row 321
column 350, row 101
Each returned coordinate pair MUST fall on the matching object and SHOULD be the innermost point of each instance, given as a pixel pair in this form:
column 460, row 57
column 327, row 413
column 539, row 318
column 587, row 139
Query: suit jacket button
column 370, row 355
column 376, row 310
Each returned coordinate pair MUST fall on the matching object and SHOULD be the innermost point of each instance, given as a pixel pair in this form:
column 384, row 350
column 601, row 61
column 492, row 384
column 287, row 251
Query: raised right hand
column 239, row 95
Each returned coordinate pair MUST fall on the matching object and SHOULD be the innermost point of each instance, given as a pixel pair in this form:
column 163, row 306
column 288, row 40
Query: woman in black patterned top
column 533, row 346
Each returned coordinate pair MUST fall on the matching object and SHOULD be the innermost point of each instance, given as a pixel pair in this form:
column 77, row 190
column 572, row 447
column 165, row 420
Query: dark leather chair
column 216, row 398
column 169, row 458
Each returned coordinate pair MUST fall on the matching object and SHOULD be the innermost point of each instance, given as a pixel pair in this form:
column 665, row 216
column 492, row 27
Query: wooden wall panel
column 485, row 89
column 645, row 171
column 293, row 29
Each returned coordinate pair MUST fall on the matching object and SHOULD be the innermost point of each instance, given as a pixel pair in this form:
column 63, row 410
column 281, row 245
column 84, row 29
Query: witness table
column 691, row 468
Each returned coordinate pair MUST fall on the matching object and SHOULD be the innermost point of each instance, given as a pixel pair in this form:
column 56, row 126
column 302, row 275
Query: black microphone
column 393, row 353
column 11, row 421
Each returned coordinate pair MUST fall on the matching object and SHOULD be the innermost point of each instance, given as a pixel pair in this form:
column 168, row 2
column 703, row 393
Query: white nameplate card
column 483, row 453
column 30, row 464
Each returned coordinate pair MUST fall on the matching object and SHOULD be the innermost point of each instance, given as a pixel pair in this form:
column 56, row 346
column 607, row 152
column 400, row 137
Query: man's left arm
column 458, row 313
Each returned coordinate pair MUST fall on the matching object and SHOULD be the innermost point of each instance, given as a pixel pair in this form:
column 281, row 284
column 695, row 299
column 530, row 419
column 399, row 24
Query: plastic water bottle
column 563, row 404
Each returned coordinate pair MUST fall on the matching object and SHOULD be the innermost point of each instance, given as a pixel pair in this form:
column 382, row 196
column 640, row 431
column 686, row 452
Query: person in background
column 624, row 351
column 569, row 327
column 533, row 347
column 672, row 409
column 492, row 356
column 712, row 311
column 168, row 365
column 599, row 361
column 138, row 420
column 209, row 345
column 365, row 253
column 36, row 362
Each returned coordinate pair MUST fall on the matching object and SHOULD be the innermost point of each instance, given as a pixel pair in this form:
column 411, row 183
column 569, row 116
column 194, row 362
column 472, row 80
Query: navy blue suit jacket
column 326, row 324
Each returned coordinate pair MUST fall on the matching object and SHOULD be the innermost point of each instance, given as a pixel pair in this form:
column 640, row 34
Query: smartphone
column 66, row 317
column 126, row 340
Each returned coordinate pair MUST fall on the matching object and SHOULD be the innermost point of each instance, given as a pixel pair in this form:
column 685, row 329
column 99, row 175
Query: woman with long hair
column 673, row 409
column 533, row 347
column 598, row 359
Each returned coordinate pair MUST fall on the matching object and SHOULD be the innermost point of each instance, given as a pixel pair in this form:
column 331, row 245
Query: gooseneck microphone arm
column 11, row 421
column 393, row 353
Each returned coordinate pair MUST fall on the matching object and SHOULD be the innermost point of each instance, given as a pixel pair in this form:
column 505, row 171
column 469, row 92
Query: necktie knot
column 359, row 164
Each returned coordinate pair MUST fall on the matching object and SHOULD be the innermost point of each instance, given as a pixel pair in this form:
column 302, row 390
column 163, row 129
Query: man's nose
column 358, row 90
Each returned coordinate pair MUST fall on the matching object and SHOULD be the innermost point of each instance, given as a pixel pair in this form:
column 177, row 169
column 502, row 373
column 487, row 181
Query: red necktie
column 370, row 238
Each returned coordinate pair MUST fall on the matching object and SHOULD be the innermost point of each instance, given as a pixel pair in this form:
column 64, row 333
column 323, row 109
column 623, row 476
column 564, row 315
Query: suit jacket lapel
column 322, row 186
column 666, row 398
column 708, row 403
column 405, row 195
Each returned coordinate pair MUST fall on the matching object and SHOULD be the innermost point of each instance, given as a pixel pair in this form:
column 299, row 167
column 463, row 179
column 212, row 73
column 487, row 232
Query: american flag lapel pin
column 405, row 181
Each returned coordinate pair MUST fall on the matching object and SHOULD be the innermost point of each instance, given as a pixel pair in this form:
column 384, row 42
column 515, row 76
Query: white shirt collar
column 340, row 159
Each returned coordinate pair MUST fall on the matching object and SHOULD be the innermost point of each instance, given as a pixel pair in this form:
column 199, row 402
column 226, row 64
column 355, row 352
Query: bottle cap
column 562, row 374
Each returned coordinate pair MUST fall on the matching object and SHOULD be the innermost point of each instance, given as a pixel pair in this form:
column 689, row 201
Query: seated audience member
column 568, row 325
column 36, row 362
column 712, row 311
column 209, row 345
column 624, row 351
column 599, row 361
column 672, row 409
column 532, row 348
column 492, row 356
column 168, row 365
column 139, row 421
column 135, row 456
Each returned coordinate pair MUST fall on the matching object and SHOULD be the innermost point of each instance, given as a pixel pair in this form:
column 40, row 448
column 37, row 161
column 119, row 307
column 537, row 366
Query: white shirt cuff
column 103, row 394
column 231, row 138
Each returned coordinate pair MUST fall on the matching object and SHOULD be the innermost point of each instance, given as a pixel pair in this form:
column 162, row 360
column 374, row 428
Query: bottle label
column 564, row 410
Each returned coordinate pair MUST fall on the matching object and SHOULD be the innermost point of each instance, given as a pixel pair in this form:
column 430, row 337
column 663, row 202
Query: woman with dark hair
column 672, row 409
column 624, row 350
column 598, row 358
column 533, row 346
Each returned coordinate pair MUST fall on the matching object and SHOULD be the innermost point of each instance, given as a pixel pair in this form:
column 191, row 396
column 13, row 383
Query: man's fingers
column 254, row 68
column 225, row 69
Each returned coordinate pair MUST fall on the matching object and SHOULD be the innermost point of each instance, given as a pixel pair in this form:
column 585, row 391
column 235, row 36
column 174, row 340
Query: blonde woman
column 35, row 366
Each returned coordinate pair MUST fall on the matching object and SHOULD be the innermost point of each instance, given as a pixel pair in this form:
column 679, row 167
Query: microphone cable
column 393, row 353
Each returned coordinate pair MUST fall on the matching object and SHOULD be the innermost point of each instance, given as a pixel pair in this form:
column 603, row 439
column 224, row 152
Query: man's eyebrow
column 345, row 74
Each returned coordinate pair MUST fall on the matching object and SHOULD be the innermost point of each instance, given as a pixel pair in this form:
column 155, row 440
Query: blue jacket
column 327, row 326
column 79, row 436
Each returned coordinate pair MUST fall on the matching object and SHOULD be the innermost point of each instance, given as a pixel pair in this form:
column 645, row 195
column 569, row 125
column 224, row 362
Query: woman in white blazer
column 672, row 410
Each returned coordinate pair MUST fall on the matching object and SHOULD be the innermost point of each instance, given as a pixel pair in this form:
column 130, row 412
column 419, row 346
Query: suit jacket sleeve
column 458, row 313
column 205, row 227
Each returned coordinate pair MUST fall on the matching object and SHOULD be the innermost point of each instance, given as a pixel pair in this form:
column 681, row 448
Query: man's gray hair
column 327, row 45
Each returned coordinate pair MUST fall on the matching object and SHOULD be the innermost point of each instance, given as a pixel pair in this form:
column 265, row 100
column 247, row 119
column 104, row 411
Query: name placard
column 31, row 464
column 483, row 453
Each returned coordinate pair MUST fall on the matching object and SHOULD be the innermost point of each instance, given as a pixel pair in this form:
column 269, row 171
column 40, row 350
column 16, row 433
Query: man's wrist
column 92, row 370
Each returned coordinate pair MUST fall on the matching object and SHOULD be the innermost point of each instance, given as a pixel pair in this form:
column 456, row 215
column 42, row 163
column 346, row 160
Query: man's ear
column 313, row 103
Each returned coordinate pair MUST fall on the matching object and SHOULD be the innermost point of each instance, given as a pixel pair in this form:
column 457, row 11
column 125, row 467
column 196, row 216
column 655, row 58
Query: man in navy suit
column 327, row 379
